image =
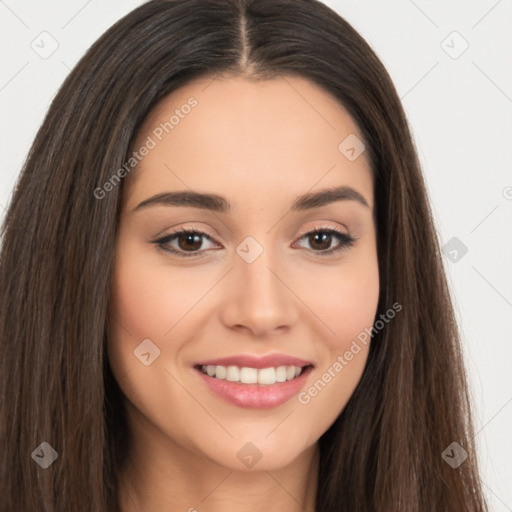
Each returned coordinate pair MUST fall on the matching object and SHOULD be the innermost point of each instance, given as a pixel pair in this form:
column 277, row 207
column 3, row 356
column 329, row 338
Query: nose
column 260, row 300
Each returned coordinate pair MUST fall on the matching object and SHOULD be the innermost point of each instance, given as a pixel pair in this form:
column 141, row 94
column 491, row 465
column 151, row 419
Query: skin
column 260, row 145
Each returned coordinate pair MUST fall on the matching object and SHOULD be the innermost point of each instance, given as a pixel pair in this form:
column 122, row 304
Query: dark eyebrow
column 219, row 204
column 327, row 196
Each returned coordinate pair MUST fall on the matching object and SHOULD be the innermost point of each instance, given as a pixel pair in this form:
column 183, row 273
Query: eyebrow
column 220, row 204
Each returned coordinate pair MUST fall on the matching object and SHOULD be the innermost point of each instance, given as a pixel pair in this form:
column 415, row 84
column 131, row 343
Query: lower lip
column 256, row 396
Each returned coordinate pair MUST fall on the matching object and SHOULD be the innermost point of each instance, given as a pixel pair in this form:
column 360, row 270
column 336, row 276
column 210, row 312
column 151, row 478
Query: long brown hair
column 384, row 451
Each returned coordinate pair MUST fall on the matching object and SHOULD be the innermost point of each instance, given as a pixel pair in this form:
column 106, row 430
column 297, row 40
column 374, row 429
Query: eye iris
column 323, row 237
column 190, row 237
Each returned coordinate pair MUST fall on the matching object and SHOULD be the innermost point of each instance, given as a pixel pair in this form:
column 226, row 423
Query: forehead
column 230, row 134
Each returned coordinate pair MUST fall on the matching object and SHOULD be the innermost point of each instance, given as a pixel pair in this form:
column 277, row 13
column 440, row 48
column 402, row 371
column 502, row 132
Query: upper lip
column 250, row 361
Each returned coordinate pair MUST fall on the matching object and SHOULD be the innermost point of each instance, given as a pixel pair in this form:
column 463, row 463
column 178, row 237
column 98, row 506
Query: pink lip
column 256, row 396
column 249, row 361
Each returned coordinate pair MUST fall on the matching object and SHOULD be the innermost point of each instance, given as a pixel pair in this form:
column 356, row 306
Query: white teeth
column 281, row 374
column 245, row 375
column 220, row 372
column 248, row 375
column 267, row 376
column 233, row 374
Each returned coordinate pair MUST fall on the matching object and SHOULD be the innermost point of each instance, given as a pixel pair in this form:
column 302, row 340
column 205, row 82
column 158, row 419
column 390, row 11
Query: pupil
column 324, row 236
column 190, row 238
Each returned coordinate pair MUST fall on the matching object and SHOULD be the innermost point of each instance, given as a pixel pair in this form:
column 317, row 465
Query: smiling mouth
column 248, row 375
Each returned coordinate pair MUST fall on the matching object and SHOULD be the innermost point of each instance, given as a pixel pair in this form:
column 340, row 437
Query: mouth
column 248, row 375
column 256, row 386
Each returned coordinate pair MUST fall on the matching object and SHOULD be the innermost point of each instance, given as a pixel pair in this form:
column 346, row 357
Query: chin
column 258, row 455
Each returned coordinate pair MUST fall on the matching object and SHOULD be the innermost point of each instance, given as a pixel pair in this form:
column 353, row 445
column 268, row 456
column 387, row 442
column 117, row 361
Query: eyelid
column 323, row 227
column 165, row 239
column 345, row 240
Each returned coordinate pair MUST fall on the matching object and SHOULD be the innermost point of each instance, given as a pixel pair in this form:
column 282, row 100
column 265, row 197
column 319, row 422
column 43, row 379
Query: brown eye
column 191, row 241
column 320, row 240
column 188, row 242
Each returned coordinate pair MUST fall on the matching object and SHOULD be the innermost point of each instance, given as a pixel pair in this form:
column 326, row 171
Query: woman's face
column 255, row 295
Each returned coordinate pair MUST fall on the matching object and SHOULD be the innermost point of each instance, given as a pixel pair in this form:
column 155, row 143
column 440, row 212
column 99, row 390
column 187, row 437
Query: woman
column 221, row 283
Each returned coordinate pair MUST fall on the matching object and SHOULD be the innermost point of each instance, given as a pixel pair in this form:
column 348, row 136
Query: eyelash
column 346, row 241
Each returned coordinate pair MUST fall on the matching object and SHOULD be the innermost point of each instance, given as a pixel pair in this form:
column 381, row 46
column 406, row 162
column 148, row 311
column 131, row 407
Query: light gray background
column 459, row 111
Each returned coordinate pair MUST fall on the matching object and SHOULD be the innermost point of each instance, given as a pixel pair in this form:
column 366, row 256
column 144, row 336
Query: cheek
column 346, row 301
column 356, row 299
column 146, row 303
column 357, row 303
column 344, row 298
column 138, row 304
column 148, row 299
column 138, row 311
